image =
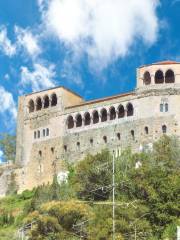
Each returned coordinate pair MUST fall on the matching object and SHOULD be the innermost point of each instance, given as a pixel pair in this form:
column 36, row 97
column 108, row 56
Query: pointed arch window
column 87, row 119
column 31, row 106
column 103, row 115
column 70, row 122
column 78, row 120
column 169, row 76
column 53, row 100
column 112, row 113
column 95, row 117
column 130, row 110
column 121, row 111
column 159, row 77
column 38, row 104
column 46, row 102
column 147, row 78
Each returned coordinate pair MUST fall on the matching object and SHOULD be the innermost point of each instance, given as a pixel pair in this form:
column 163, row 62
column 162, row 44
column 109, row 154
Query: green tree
column 93, row 176
column 8, row 146
column 59, row 220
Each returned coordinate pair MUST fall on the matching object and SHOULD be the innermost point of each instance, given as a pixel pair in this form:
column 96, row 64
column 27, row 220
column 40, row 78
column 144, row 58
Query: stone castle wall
column 44, row 140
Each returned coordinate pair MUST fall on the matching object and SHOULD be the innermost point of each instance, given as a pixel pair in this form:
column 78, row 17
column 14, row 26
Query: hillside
column 147, row 199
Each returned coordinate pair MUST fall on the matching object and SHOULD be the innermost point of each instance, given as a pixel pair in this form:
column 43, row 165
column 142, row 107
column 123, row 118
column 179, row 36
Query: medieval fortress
column 57, row 124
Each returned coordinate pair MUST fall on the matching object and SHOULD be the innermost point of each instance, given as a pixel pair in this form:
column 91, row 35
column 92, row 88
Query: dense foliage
column 8, row 146
column 147, row 198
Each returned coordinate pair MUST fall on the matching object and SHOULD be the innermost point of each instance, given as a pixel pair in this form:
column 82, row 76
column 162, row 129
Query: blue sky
column 91, row 47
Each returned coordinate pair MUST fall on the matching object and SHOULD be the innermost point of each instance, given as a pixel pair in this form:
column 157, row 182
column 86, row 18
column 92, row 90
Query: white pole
column 113, row 184
column 135, row 236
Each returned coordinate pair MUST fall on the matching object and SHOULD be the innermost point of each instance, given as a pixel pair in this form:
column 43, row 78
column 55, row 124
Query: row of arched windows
column 160, row 77
column 42, row 103
column 97, row 117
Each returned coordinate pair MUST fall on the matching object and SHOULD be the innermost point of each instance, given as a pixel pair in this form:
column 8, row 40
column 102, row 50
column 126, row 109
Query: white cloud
column 40, row 78
column 28, row 41
column 103, row 29
column 6, row 45
column 7, row 103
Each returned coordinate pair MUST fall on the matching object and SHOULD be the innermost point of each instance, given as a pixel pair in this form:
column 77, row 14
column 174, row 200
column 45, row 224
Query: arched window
column 38, row 104
column 95, row 117
column 105, row 139
column 146, row 130
column 132, row 134
column 130, row 110
column 164, row 129
column 147, row 78
column 46, row 102
column 121, row 111
column 87, row 119
column 112, row 113
column 78, row 120
column 159, row 77
column 53, row 100
column 169, row 76
column 103, row 115
column 70, row 122
column 31, row 106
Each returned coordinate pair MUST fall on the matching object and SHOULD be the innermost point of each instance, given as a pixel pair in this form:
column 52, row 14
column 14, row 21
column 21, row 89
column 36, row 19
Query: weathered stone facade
column 56, row 124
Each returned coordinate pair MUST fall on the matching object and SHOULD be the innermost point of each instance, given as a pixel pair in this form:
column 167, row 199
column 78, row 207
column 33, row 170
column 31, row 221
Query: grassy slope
column 14, row 206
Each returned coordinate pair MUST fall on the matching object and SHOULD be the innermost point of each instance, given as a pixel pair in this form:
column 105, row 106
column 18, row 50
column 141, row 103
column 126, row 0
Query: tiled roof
column 167, row 62
column 102, row 99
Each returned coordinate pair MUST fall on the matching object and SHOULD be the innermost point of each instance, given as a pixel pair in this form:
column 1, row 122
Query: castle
column 57, row 124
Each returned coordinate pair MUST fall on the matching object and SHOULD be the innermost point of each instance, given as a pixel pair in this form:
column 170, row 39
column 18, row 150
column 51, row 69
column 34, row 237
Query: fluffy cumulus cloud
column 6, row 45
column 28, row 41
column 103, row 29
column 41, row 77
column 7, row 103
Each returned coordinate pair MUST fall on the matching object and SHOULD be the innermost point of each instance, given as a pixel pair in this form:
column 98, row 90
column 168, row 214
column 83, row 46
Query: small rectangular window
column 78, row 145
column 166, row 107
column 44, row 132
column 52, row 150
column 132, row 135
column 35, row 136
column 65, row 148
column 39, row 134
column 91, row 142
column 47, row 131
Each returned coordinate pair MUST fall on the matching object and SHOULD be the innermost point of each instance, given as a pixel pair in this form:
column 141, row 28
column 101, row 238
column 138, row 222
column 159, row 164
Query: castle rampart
column 56, row 124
